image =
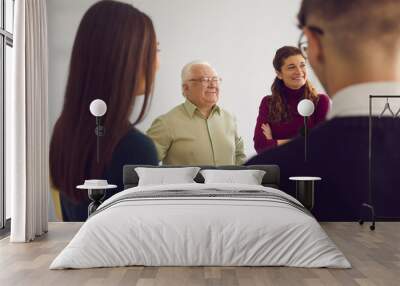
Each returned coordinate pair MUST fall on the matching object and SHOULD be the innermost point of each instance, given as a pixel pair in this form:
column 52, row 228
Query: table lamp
column 98, row 108
column 305, row 108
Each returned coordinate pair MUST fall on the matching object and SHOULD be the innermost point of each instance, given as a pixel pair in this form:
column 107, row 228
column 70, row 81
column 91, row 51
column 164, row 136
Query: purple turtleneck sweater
column 290, row 129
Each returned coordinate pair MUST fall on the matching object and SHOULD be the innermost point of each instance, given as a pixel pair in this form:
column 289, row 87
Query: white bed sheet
column 200, row 231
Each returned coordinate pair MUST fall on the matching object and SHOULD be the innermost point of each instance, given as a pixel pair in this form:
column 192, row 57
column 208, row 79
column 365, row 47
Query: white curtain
column 27, row 124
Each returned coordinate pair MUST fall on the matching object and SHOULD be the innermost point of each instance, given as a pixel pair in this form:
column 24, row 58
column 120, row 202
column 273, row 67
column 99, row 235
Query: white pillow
column 165, row 176
column 248, row 177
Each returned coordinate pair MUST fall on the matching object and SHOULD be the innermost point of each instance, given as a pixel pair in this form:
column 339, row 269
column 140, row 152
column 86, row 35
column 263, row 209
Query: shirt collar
column 191, row 108
column 354, row 100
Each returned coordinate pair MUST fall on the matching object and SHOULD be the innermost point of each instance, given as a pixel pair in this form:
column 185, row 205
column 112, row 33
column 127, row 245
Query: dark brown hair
column 351, row 22
column 114, row 51
column 278, row 110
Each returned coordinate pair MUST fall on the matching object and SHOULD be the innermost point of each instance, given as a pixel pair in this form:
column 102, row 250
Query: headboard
column 270, row 179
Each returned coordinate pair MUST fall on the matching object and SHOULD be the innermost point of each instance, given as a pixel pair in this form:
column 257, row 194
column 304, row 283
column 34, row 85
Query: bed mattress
column 201, row 225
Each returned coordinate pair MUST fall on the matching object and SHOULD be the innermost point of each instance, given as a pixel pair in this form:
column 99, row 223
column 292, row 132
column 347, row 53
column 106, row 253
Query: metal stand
column 305, row 187
column 305, row 193
column 95, row 193
column 370, row 204
column 371, row 208
column 100, row 131
column 96, row 196
column 305, row 138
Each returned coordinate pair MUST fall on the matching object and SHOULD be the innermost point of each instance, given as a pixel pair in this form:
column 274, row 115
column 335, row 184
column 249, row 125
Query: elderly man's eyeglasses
column 302, row 44
column 206, row 81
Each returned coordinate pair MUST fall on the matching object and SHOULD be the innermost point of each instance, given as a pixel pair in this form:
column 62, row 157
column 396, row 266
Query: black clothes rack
column 370, row 204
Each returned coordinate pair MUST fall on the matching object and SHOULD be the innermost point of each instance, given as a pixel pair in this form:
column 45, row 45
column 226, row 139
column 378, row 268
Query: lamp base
column 96, row 196
column 371, row 208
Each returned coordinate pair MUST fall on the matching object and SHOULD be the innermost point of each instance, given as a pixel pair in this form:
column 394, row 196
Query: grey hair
column 187, row 69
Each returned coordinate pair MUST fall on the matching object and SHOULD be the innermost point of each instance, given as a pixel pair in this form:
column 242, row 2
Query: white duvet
column 200, row 231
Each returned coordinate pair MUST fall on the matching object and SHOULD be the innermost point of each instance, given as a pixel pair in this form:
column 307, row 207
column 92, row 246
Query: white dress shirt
column 354, row 100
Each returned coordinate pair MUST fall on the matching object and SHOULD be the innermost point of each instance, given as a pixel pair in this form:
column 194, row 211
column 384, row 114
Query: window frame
column 6, row 39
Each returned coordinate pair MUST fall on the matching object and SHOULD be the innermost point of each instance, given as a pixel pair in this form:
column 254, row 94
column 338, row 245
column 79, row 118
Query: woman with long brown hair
column 278, row 119
column 114, row 58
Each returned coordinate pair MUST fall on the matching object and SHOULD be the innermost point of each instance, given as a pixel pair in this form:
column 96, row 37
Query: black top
column 338, row 153
column 134, row 148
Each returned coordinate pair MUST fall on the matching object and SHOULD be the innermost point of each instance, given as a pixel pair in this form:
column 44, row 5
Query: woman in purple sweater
column 278, row 120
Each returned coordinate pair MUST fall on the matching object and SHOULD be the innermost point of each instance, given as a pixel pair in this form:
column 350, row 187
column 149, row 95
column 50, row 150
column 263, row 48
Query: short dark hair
column 353, row 22
column 382, row 16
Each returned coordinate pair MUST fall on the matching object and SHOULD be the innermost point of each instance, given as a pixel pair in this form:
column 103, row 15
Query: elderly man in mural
column 198, row 131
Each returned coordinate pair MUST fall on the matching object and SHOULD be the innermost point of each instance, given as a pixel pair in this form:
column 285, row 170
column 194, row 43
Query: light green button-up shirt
column 184, row 136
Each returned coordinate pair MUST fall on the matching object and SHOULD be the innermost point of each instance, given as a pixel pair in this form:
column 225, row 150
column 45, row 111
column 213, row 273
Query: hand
column 282, row 141
column 266, row 131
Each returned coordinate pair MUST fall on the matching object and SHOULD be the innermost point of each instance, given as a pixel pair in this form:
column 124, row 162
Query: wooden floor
column 375, row 257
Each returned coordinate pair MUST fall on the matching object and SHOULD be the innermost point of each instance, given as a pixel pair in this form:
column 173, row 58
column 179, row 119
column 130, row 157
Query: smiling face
column 293, row 72
column 203, row 95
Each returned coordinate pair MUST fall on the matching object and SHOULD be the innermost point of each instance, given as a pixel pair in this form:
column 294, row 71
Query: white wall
column 239, row 38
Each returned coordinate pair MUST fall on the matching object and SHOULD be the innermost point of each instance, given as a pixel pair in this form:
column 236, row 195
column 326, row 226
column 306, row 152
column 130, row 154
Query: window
column 6, row 60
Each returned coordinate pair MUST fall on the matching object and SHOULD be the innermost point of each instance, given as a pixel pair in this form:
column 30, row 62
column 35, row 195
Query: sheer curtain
column 27, row 124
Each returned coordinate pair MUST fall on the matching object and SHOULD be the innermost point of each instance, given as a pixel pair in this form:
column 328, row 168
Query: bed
column 201, row 224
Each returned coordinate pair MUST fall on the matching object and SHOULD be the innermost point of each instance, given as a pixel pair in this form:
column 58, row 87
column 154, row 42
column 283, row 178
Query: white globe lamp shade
column 98, row 107
column 305, row 107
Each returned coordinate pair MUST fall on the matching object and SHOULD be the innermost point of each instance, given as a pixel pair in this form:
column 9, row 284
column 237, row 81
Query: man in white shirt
column 353, row 47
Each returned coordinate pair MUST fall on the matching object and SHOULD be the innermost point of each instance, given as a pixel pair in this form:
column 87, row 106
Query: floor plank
column 374, row 255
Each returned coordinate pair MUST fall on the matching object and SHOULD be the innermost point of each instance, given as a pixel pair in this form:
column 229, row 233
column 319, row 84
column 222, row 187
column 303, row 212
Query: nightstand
column 305, row 190
column 96, row 192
